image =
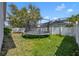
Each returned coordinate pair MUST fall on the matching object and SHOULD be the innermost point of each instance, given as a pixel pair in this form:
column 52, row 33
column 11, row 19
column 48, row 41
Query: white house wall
column 1, row 24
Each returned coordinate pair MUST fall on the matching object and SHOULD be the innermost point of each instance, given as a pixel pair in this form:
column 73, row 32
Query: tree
column 73, row 18
column 25, row 17
column 33, row 16
column 16, row 16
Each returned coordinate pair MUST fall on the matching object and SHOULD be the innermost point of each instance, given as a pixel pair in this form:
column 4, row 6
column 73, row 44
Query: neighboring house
column 7, row 23
column 2, row 14
column 57, row 27
column 56, row 23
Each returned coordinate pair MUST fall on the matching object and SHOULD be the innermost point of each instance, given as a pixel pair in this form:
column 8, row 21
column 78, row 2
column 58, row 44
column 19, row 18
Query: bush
column 69, row 25
column 7, row 31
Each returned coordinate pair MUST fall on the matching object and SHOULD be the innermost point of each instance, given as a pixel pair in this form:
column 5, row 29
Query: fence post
column 76, row 31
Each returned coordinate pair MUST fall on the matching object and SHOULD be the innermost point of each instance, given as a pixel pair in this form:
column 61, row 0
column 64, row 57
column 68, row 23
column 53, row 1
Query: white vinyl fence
column 63, row 30
column 71, row 31
column 77, row 33
column 18, row 30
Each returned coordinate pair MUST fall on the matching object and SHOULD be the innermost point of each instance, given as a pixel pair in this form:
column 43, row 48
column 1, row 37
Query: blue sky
column 52, row 10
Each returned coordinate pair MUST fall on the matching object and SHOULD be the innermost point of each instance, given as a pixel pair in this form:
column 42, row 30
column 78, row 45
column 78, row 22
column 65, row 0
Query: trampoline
column 41, row 28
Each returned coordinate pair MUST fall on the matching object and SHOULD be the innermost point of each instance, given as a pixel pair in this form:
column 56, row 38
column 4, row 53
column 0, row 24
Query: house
column 2, row 17
column 57, row 26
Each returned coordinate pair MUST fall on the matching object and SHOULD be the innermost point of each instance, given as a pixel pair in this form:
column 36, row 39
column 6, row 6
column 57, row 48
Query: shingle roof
column 57, row 22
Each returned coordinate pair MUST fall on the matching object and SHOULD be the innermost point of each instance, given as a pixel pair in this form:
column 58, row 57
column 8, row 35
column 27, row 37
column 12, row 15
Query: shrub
column 7, row 31
column 69, row 25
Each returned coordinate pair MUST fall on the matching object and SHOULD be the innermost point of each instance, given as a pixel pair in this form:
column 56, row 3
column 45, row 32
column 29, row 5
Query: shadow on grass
column 34, row 36
column 8, row 43
column 68, row 47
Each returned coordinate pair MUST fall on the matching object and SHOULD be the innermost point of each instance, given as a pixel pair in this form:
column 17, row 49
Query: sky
column 51, row 10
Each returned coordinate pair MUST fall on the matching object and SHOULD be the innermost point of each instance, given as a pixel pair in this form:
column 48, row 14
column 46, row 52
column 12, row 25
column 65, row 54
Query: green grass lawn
column 46, row 46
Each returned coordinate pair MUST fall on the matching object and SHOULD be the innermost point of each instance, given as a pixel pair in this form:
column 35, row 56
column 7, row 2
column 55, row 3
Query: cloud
column 70, row 10
column 46, row 17
column 61, row 7
column 55, row 18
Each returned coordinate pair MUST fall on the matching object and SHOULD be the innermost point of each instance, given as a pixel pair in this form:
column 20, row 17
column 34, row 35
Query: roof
column 56, row 23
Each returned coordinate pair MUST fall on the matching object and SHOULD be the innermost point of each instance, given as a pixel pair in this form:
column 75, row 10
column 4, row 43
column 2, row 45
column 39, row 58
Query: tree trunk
column 27, row 27
column 48, row 27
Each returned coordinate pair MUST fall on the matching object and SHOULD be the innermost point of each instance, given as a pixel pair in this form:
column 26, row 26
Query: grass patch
column 49, row 46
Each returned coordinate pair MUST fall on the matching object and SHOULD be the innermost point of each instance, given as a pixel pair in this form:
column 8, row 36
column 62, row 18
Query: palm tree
column 23, row 15
column 33, row 16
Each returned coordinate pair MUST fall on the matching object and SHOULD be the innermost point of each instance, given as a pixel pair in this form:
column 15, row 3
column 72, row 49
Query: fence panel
column 77, row 33
column 18, row 29
column 63, row 30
